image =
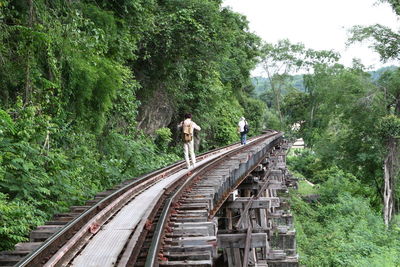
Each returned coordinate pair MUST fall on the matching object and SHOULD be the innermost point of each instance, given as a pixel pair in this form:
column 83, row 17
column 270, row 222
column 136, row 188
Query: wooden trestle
column 232, row 211
column 255, row 226
column 234, row 217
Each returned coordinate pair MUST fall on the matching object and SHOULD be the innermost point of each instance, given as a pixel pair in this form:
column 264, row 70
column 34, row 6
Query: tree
column 390, row 130
column 386, row 43
column 76, row 74
column 284, row 58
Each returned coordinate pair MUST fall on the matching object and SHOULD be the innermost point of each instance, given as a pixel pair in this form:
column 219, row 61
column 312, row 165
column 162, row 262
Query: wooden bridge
column 231, row 210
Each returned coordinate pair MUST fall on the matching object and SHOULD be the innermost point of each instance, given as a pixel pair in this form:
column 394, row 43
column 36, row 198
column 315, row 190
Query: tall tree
column 390, row 130
column 387, row 43
column 284, row 58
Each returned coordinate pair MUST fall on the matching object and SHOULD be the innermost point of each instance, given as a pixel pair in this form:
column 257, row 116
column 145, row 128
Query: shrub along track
column 66, row 239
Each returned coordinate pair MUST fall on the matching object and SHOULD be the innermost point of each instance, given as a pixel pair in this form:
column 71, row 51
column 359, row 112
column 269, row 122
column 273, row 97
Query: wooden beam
column 259, row 203
column 247, row 247
column 245, row 213
column 258, row 240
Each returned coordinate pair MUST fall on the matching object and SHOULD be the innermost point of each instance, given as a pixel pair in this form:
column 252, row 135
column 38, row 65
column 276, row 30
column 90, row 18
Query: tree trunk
column 390, row 171
column 277, row 95
column 391, row 168
column 28, row 86
column 30, row 4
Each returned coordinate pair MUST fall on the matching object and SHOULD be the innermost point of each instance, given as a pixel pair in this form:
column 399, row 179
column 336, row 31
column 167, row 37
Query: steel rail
column 86, row 215
column 50, row 245
column 151, row 257
column 156, row 240
column 223, row 198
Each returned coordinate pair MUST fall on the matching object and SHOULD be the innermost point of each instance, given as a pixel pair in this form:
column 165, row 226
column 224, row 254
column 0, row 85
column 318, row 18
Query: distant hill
column 261, row 84
column 377, row 73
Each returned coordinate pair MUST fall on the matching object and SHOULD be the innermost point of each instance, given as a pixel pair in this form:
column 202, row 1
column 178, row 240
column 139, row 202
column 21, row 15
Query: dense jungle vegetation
column 90, row 90
column 349, row 119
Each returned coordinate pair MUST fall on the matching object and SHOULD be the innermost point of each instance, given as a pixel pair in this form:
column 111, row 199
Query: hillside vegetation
column 91, row 90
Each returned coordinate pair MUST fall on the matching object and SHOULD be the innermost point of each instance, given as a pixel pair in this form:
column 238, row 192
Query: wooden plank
column 245, row 213
column 194, row 206
column 41, row 234
column 188, row 219
column 237, row 257
column 252, row 186
column 191, row 241
column 198, row 248
column 228, row 252
column 238, row 240
column 247, row 247
column 200, row 263
column 229, row 216
column 193, row 231
column 195, row 255
column 9, row 260
column 192, row 213
column 211, row 226
column 260, row 203
column 28, row 246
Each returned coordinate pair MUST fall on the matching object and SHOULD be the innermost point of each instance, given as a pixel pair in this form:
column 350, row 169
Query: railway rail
column 175, row 216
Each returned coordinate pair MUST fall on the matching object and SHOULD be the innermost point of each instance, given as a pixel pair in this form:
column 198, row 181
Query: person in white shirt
column 188, row 144
column 242, row 131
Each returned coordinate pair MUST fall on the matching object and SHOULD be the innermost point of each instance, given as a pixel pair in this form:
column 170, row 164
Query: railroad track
column 165, row 218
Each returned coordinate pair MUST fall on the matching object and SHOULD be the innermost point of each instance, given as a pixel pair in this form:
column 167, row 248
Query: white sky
column 318, row 24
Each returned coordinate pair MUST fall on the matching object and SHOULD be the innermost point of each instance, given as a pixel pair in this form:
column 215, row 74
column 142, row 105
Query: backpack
column 186, row 133
column 246, row 128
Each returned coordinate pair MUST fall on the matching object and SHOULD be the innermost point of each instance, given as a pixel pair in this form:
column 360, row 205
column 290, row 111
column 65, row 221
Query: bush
column 37, row 181
column 305, row 162
column 163, row 138
column 16, row 219
column 342, row 229
column 337, row 182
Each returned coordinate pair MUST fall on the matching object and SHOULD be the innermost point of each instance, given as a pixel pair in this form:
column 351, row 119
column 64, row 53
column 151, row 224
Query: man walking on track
column 243, row 129
column 188, row 126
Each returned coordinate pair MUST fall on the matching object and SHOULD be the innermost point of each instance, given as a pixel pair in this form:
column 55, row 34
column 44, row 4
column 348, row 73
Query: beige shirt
column 189, row 121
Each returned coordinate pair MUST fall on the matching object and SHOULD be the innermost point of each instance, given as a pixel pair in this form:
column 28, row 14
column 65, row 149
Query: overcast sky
column 318, row 24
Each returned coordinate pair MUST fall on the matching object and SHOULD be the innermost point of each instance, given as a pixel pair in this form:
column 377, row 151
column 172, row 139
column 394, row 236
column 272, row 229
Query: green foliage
column 342, row 229
column 198, row 54
column 390, row 126
column 93, row 85
column 341, row 121
column 347, row 116
column 395, row 5
column 335, row 182
column 16, row 218
column 306, row 162
column 295, row 107
column 163, row 138
column 279, row 61
column 262, row 85
column 385, row 40
column 305, row 188
column 221, row 122
column 272, row 120
column 39, row 181
column 75, row 76
column 6, row 123
column 383, row 257
column 254, row 112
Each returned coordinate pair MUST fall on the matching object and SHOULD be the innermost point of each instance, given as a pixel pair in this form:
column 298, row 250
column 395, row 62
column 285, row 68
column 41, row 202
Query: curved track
column 134, row 224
